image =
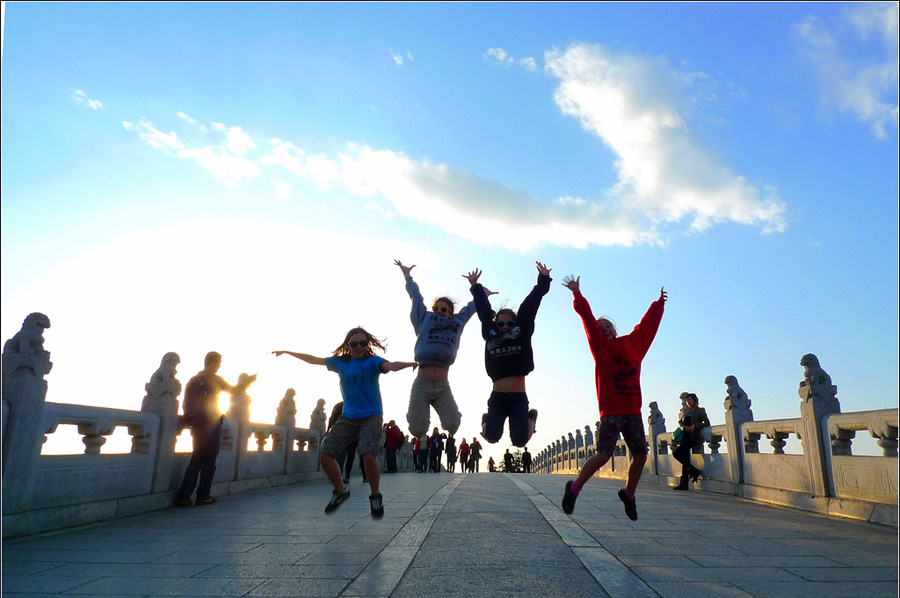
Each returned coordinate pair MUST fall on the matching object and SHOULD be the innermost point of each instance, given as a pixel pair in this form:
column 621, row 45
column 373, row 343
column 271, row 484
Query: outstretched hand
column 487, row 291
column 572, row 283
column 406, row 270
column 543, row 269
column 663, row 294
column 472, row 276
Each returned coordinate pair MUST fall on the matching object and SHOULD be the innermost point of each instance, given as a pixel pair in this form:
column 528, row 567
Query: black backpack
column 195, row 394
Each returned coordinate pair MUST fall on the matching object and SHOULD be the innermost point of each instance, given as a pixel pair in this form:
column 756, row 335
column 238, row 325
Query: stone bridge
column 462, row 535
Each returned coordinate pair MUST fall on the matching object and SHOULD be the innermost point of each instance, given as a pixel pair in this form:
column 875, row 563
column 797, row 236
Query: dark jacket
column 696, row 417
column 509, row 353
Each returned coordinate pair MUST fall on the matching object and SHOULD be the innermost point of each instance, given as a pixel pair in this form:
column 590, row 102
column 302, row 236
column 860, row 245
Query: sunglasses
column 506, row 323
column 441, row 309
column 355, row 344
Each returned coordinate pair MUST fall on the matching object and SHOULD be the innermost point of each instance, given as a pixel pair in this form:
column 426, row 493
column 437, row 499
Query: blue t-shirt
column 359, row 384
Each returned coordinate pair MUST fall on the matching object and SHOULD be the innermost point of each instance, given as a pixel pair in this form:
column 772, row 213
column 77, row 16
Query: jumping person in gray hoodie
column 437, row 342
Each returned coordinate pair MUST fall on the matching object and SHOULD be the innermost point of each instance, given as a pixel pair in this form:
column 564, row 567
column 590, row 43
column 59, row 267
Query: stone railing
column 826, row 477
column 44, row 492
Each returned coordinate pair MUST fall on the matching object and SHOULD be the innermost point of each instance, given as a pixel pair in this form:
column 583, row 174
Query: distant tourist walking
column 422, row 458
column 526, row 461
column 474, row 455
column 508, row 461
column 463, row 456
column 692, row 424
column 359, row 368
column 201, row 413
column 437, row 342
column 508, row 358
column 450, row 449
column 435, row 450
column 617, row 375
column 394, row 442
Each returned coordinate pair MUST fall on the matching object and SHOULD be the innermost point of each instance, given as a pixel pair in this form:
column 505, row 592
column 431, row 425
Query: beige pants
column 426, row 394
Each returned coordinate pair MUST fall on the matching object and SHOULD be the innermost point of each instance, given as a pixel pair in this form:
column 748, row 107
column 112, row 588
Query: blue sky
column 240, row 177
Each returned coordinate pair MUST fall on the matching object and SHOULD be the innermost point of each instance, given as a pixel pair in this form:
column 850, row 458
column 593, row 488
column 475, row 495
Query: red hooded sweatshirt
column 617, row 371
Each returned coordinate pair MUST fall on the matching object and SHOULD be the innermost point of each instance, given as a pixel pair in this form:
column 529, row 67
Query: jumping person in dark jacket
column 508, row 358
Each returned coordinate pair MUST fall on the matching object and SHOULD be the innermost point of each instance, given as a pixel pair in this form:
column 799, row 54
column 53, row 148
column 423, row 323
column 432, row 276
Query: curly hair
column 343, row 351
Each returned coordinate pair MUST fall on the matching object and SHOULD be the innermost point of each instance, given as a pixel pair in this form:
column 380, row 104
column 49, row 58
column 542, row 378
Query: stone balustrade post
column 239, row 414
column 287, row 416
column 162, row 398
column 579, row 449
column 656, row 425
column 819, row 400
column 24, row 392
column 737, row 411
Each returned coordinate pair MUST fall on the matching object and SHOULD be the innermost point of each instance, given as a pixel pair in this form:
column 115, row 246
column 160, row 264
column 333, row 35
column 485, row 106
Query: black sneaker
column 337, row 498
column 568, row 501
column 209, row 500
column 183, row 501
column 532, row 415
column 630, row 505
column 377, row 506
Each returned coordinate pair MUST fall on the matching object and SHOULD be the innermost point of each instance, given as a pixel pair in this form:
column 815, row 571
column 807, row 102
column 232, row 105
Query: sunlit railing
column 823, row 476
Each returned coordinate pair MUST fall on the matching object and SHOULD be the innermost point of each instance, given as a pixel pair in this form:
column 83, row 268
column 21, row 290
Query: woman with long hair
column 355, row 362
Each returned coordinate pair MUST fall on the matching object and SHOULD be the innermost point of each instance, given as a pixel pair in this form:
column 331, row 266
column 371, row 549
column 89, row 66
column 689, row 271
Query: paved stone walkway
column 472, row 536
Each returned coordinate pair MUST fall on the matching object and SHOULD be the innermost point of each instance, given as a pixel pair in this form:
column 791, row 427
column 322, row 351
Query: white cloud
column 500, row 57
column 223, row 161
column 399, row 58
column 282, row 189
column 238, row 141
column 223, row 165
column 186, row 118
column 865, row 83
column 81, row 98
column 631, row 104
column 321, row 170
column 153, row 136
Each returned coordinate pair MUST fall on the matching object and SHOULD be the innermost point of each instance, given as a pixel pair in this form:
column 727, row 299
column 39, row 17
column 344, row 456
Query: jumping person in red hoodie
column 617, row 374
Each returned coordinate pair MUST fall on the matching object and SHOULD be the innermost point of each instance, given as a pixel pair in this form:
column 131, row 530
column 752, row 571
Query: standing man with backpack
column 202, row 415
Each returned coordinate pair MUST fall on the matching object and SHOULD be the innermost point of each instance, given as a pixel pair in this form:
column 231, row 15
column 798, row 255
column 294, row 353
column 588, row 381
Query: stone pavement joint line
column 382, row 575
column 612, row 575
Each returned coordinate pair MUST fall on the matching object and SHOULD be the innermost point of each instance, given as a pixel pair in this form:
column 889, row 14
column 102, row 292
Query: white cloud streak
column 630, row 103
column 865, row 86
column 399, row 57
column 500, row 57
column 225, row 160
column 80, row 97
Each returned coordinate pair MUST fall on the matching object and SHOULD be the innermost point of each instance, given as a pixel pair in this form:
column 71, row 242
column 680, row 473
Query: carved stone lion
column 319, row 420
column 735, row 397
column 813, row 373
column 163, row 380
column 816, row 381
column 25, row 350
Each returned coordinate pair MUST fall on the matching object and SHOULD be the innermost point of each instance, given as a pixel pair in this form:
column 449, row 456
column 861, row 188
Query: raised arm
column 311, row 359
column 419, row 310
column 482, row 305
column 528, row 310
column 396, row 366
